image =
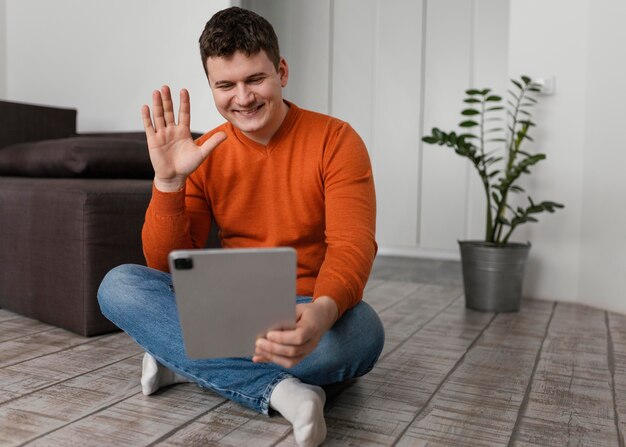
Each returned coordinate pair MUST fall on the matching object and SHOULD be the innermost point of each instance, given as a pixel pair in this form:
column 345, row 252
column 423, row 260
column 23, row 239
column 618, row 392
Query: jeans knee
column 115, row 280
column 376, row 337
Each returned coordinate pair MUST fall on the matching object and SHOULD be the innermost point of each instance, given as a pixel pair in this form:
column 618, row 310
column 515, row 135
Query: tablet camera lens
column 183, row 264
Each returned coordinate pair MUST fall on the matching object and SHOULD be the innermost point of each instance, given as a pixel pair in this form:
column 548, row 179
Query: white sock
column 154, row 375
column 303, row 406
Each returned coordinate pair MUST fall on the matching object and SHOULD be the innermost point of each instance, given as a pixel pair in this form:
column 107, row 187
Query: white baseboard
column 415, row 252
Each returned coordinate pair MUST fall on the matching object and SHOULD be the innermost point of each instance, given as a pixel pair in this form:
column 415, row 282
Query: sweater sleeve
column 350, row 207
column 177, row 220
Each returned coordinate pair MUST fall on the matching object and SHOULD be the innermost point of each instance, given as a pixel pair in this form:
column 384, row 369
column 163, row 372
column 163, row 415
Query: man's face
column 248, row 92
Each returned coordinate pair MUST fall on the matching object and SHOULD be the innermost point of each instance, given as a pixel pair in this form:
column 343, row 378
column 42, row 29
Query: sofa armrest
column 20, row 123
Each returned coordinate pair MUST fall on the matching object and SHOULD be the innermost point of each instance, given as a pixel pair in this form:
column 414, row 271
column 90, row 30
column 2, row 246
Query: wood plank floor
column 553, row 374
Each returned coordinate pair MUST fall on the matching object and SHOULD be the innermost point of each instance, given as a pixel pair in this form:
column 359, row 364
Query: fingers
column 286, row 356
column 281, row 361
column 147, row 122
column 299, row 336
column 184, row 111
column 288, row 347
column 212, row 143
column 163, row 108
column 157, row 108
column 285, row 348
column 168, row 106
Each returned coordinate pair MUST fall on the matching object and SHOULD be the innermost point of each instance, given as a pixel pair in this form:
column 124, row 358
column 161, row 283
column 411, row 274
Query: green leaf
column 492, row 160
column 472, row 100
column 526, row 79
column 528, row 123
column 513, row 94
column 502, row 220
column 472, row 92
column 468, row 123
column 469, row 112
column 490, row 109
column 430, row 140
column 493, row 98
column 485, row 92
column 517, row 84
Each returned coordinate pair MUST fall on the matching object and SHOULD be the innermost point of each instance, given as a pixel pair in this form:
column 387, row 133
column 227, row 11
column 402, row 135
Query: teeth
column 249, row 111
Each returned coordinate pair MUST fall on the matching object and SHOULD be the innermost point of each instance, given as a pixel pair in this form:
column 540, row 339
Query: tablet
column 227, row 298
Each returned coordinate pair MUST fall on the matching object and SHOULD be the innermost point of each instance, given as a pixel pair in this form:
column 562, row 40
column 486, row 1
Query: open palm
column 173, row 153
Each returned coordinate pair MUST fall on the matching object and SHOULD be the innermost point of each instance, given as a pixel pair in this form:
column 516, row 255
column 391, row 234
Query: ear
column 283, row 72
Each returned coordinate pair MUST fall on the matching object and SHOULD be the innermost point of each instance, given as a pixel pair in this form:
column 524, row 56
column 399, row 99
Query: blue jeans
column 140, row 301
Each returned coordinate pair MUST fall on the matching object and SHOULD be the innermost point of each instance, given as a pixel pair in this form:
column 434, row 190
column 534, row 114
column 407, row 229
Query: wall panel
column 303, row 29
column 353, row 60
column 397, row 117
column 447, row 62
column 489, row 69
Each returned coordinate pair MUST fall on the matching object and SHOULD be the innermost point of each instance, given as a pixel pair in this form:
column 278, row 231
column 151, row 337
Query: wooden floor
column 550, row 375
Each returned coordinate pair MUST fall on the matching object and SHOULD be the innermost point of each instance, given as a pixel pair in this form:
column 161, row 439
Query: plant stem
column 483, row 169
column 514, row 145
column 506, row 238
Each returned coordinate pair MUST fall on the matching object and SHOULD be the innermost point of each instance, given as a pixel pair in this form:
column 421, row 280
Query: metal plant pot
column 493, row 275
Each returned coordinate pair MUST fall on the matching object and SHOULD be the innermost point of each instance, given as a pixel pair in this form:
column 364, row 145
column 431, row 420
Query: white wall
column 304, row 34
column 105, row 58
column 391, row 69
column 556, row 46
column 578, row 253
column 602, row 273
column 3, row 49
column 397, row 69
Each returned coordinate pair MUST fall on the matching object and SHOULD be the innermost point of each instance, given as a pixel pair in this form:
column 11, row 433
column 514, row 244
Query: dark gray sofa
column 71, row 208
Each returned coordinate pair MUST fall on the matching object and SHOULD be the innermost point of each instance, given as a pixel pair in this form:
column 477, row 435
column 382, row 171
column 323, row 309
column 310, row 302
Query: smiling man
column 272, row 175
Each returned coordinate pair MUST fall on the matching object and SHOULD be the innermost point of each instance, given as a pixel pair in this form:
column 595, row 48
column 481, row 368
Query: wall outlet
column 547, row 86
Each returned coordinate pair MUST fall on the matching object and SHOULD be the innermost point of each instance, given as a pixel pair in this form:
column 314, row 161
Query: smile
column 247, row 112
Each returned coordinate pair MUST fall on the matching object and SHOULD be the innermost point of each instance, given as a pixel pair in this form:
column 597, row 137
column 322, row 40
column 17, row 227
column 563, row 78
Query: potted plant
column 493, row 269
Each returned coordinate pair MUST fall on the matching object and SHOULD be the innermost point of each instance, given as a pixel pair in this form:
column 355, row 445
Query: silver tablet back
column 227, row 298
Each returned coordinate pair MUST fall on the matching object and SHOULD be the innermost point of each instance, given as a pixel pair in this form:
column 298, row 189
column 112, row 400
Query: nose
column 244, row 95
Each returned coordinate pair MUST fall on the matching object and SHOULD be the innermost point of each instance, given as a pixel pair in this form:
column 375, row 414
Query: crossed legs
column 140, row 301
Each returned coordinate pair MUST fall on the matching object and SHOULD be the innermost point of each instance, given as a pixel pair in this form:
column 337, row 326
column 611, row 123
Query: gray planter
column 493, row 275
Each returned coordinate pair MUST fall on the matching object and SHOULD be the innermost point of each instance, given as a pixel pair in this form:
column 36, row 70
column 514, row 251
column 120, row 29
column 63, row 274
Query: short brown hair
column 237, row 29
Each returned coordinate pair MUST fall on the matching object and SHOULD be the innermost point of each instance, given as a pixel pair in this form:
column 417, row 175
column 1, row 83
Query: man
column 272, row 175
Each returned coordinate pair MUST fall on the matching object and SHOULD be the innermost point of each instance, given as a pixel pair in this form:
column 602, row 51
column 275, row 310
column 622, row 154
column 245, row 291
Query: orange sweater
column 310, row 188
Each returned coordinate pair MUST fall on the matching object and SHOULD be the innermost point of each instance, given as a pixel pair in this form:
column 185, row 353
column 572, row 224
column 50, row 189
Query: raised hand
column 173, row 153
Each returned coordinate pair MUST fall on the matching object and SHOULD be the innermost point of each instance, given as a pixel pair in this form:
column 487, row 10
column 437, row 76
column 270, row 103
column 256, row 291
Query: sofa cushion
column 81, row 156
